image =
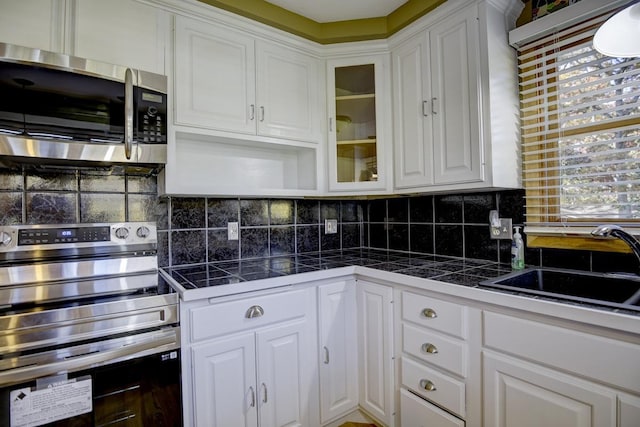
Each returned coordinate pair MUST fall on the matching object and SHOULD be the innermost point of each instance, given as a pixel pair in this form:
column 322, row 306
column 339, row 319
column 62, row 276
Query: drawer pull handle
column 254, row 311
column 429, row 313
column 429, row 348
column 427, row 385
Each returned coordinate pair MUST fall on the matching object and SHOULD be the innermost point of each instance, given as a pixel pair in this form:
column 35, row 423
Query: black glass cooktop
column 446, row 269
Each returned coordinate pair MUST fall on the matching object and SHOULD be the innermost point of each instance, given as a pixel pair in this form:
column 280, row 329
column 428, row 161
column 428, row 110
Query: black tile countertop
column 451, row 270
column 446, row 269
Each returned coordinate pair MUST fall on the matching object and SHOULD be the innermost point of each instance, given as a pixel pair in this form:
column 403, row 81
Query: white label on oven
column 65, row 399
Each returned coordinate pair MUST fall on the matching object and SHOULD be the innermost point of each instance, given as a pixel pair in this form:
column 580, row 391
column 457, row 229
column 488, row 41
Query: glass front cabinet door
column 356, row 124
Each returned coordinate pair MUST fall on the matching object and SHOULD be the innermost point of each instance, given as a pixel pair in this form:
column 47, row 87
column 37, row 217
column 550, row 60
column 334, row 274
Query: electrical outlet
column 505, row 231
column 232, row 231
column 330, row 226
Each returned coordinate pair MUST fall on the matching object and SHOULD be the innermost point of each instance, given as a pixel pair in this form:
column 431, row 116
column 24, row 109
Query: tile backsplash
column 64, row 196
column 194, row 229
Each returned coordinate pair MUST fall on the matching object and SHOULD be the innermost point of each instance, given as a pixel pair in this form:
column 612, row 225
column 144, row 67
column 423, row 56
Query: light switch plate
column 505, row 231
column 330, row 226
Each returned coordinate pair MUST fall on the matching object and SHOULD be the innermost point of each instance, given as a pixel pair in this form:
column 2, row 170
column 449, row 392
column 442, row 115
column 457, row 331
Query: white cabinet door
column 226, row 80
column 413, row 130
column 359, row 114
column 123, row 32
column 33, row 23
column 454, row 50
column 283, row 375
column 519, row 394
column 288, row 93
column 628, row 410
column 224, row 382
column 338, row 349
column 375, row 331
column 214, row 77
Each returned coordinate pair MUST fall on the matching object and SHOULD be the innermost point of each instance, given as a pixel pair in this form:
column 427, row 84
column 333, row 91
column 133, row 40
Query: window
column 580, row 115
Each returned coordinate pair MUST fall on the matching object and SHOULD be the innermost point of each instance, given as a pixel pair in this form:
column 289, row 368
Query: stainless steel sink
column 615, row 290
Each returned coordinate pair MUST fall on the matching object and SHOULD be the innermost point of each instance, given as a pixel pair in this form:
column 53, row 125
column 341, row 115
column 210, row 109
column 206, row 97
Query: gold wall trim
column 330, row 32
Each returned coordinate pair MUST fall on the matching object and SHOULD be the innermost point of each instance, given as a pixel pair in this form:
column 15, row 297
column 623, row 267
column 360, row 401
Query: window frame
column 560, row 233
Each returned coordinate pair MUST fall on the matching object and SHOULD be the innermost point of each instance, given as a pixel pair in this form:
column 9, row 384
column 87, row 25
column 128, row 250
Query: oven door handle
column 52, row 363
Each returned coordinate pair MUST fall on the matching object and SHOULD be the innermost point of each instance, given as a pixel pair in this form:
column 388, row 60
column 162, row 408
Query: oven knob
column 122, row 233
column 5, row 238
column 143, row 232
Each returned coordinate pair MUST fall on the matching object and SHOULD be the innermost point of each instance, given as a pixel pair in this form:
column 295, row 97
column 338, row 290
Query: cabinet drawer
column 447, row 392
column 433, row 313
column 417, row 412
column 227, row 317
column 593, row 356
column 436, row 349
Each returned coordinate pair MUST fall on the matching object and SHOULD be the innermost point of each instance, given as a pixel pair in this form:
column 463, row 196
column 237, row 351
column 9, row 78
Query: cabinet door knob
column 264, row 396
column 429, row 348
column 425, row 111
column 326, row 355
column 252, row 112
column 429, row 313
column 254, row 311
column 427, row 385
column 262, row 113
column 434, row 105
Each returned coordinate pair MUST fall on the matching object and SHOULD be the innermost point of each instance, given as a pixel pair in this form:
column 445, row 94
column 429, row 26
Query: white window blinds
column 580, row 115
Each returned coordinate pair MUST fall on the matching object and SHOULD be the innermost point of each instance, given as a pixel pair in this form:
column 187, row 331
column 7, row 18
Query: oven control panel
column 29, row 237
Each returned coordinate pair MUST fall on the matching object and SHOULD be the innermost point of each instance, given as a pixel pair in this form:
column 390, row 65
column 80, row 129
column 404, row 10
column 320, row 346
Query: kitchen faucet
column 610, row 230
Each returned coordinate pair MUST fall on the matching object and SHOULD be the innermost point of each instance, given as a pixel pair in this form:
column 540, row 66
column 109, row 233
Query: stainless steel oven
column 89, row 331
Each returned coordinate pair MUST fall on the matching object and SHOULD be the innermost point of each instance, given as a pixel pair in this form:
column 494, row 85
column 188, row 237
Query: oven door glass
column 139, row 392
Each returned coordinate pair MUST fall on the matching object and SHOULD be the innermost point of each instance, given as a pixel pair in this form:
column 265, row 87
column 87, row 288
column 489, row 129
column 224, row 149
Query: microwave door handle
column 128, row 112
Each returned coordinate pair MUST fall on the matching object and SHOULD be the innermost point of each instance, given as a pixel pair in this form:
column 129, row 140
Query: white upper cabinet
column 455, row 101
column 413, row 132
column 122, row 32
column 214, row 77
column 33, row 23
column 359, row 119
column 227, row 80
column 288, row 93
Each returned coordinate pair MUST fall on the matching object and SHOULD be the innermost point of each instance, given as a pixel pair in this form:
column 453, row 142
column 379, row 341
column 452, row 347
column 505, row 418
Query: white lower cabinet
column 520, row 394
column 628, row 410
column 538, row 371
column 261, row 370
column 435, row 361
column 375, row 345
column 416, row 412
column 338, row 349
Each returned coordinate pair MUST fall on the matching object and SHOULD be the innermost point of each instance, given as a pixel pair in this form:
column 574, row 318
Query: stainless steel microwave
column 60, row 108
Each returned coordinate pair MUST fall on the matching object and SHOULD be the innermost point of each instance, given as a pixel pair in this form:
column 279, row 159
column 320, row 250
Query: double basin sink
column 609, row 289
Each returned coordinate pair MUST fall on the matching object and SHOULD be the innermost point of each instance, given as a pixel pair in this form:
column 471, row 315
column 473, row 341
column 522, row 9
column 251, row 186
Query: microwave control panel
column 152, row 116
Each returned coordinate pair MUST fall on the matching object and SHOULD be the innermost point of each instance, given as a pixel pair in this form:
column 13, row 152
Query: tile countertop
column 449, row 275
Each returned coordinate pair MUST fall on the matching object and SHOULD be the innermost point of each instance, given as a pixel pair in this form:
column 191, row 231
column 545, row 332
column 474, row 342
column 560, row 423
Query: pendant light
column 619, row 36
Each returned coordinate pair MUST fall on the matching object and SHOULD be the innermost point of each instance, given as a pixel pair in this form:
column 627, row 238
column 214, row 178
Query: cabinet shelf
column 357, row 141
column 354, row 97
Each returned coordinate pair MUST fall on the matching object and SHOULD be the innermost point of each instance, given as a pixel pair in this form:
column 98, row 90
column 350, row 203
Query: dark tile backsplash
column 268, row 227
column 194, row 229
column 46, row 195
